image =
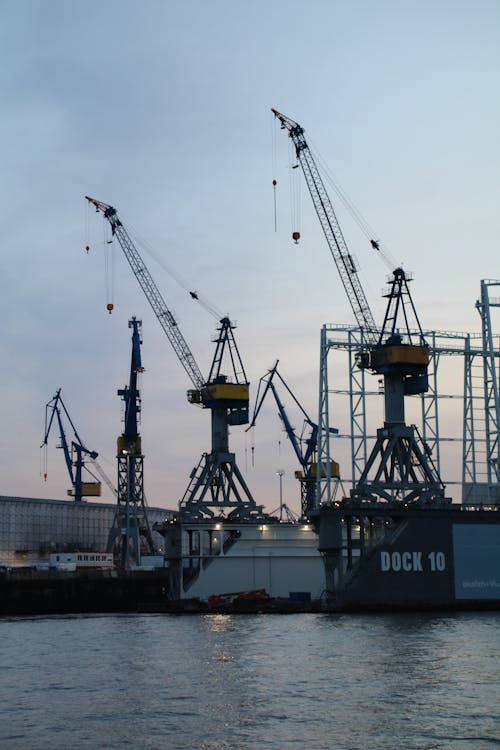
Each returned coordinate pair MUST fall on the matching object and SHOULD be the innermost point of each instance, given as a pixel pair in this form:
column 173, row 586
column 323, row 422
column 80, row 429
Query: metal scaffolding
column 479, row 397
column 32, row 528
column 481, row 472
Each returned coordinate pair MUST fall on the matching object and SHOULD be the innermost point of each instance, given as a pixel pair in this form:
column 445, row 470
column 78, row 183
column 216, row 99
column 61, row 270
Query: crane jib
column 331, row 228
column 152, row 294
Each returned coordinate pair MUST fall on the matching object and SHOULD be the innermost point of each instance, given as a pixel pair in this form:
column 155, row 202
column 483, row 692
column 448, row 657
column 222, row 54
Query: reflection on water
column 251, row 681
column 219, row 623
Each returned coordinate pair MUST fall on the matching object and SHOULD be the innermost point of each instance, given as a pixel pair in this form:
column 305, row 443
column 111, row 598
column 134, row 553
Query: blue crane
column 304, row 448
column 73, row 452
column 130, row 394
column 131, row 520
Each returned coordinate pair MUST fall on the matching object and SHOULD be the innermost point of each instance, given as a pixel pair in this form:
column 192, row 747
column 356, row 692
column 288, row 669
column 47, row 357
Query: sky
column 162, row 109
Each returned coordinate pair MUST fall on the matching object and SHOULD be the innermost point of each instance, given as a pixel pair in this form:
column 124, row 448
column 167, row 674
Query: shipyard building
column 32, row 528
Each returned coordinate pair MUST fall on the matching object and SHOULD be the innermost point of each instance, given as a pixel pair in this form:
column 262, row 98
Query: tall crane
column 399, row 467
column 216, row 485
column 131, row 525
column 305, row 449
column 74, row 451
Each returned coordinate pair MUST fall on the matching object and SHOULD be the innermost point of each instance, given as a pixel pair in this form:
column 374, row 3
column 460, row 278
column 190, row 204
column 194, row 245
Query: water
column 221, row 682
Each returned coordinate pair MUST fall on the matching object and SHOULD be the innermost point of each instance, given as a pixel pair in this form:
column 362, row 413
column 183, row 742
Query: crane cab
column 234, row 397
column 404, row 357
column 89, row 489
column 194, row 396
column 334, row 470
column 406, row 362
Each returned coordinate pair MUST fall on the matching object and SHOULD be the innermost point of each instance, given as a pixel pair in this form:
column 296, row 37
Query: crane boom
column 331, row 228
column 267, row 382
column 75, row 467
column 152, row 293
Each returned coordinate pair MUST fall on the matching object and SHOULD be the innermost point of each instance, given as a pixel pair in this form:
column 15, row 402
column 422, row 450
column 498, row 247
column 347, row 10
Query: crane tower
column 216, row 487
column 399, row 468
column 131, row 530
column 74, row 452
column 305, row 449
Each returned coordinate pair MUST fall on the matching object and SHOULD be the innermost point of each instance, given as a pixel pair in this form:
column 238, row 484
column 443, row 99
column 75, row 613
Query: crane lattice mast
column 131, row 530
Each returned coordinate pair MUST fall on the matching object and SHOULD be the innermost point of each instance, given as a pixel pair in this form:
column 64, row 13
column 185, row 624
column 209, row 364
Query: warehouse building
column 32, row 528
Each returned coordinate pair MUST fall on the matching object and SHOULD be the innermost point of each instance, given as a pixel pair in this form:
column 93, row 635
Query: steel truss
column 480, row 409
column 481, row 471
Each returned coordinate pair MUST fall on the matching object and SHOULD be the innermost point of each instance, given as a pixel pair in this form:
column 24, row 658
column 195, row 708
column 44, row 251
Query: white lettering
column 407, row 561
column 396, row 561
column 385, row 561
column 437, row 561
column 411, row 562
column 417, row 561
column 440, row 561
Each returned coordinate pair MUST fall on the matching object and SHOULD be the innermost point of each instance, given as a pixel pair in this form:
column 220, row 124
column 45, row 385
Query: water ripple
column 301, row 682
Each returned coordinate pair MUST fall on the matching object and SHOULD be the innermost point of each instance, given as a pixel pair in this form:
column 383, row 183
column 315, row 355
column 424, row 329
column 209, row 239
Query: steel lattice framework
column 481, row 469
column 479, row 397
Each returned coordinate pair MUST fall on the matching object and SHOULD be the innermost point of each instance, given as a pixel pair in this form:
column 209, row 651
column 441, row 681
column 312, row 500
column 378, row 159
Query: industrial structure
column 399, row 467
column 461, row 353
column 73, row 453
column 396, row 540
column 131, row 531
column 216, row 487
column 304, row 445
column 393, row 541
column 31, row 528
column 411, row 370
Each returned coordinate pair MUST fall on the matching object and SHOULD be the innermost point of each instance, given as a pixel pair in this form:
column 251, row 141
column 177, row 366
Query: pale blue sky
column 163, row 110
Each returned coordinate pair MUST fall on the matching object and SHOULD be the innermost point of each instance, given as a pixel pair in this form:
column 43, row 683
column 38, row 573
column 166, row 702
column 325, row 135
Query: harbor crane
column 399, row 467
column 305, row 448
column 216, row 487
column 74, row 451
column 131, row 525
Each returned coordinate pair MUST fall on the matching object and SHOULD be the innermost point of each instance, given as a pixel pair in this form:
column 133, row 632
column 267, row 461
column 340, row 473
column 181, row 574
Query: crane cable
column 43, row 462
column 295, row 192
column 273, row 172
column 175, row 275
column 354, row 211
column 109, row 258
column 109, row 263
column 109, row 267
